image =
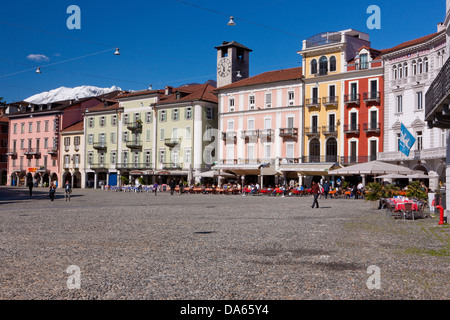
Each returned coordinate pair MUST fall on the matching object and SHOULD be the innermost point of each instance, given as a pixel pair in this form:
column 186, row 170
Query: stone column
column 95, row 180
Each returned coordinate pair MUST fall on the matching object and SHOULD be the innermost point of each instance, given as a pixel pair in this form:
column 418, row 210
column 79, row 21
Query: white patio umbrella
column 214, row 173
column 372, row 168
column 392, row 176
column 418, row 176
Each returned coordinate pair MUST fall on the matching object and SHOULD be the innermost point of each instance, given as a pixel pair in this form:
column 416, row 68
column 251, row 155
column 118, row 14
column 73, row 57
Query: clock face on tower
column 224, row 67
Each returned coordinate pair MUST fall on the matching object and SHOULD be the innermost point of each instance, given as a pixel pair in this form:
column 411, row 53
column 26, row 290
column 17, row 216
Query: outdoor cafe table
column 400, row 204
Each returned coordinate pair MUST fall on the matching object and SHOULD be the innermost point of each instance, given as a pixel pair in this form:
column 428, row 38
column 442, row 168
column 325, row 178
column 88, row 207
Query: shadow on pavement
column 10, row 195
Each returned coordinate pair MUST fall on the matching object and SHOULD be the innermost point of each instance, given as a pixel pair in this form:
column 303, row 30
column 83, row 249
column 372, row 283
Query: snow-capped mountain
column 63, row 93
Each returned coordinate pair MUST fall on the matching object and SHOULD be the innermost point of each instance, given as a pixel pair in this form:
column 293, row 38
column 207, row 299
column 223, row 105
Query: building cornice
column 414, row 48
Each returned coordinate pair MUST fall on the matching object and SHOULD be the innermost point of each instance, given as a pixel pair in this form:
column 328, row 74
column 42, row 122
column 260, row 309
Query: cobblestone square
column 142, row 246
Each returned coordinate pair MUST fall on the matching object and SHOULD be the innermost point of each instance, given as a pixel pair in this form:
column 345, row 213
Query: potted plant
column 375, row 194
column 415, row 192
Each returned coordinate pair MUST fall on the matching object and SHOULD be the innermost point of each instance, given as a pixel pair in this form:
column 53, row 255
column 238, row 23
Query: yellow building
column 325, row 58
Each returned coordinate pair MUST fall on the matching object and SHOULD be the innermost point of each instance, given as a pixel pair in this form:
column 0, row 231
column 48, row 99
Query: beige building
column 72, row 155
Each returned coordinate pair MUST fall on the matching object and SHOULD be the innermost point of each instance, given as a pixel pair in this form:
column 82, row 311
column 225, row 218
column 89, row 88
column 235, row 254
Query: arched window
column 314, row 66
column 414, row 67
column 400, row 71
column 314, row 150
column 420, row 66
column 394, row 72
column 405, row 69
column 425, row 64
column 323, row 65
column 332, row 64
column 331, row 150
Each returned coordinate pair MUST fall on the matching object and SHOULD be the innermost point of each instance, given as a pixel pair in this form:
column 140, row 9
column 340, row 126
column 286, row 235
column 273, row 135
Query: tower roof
column 226, row 44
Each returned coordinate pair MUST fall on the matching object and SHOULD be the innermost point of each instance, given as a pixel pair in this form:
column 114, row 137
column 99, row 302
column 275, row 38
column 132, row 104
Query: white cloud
column 38, row 57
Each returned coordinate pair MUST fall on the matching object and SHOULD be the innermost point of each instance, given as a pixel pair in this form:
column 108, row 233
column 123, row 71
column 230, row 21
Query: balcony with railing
column 100, row 145
column 289, row 132
column 330, row 101
column 134, row 125
column 172, row 166
column 52, row 151
column 320, row 159
column 374, row 127
column 134, row 144
column 312, row 131
column 31, row 152
column 249, row 134
column 353, row 99
column 229, row 135
column 374, row 96
column 98, row 166
column 171, row 142
column 312, row 103
column 437, row 99
column 18, row 168
column 352, row 128
column 266, row 133
column 330, row 130
column 12, row 153
column 135, row 166
column 351, row 160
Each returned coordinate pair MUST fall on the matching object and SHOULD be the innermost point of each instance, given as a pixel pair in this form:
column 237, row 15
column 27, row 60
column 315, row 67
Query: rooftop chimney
column 440, row 26
column 168, row 90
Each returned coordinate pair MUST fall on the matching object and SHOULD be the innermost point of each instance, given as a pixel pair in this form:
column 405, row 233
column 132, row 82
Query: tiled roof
column 138, row 93
column 411, row 43
column 194, row 92
column 102, row 107
column 268, row 77
column 79, row 126
column 232, row 44
column 4, row 119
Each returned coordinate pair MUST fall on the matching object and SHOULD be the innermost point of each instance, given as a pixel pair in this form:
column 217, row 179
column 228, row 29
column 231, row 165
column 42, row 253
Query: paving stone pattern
column 142, row 246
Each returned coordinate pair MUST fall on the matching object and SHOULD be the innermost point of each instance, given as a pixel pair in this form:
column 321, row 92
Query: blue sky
column 172, row 43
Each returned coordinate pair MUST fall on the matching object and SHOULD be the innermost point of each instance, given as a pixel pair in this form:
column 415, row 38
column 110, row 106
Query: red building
column 363, row 107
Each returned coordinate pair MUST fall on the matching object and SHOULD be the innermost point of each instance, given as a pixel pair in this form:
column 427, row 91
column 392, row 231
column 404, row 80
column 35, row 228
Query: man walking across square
column 315, row 190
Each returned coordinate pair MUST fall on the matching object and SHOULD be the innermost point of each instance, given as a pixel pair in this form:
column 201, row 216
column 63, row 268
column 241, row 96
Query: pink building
column 261, row 123
column 34, row 139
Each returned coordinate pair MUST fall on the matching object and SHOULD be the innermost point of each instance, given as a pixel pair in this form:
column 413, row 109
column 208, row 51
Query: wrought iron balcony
column 329, row 130
column 134, row 126
column 374, row 127
column 312, row 103
column 352, row 98
column 330, row 101
column 437, row 99
column 350, row 160
column 320, row 159
column 171, row 142
column 100, row 145
column 352, row 128
column 374, row 96
column 31, row 152
column 289, row 132
column 313, row 131
column 52, row 150
column 134, row 144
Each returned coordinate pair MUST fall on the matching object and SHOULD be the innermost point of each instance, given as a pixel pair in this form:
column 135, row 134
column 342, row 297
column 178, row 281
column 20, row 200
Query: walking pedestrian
column 30, row 186
column 315, row 190
column 155, row 188
column 172, row 187
column 52, row 191
column 326, row 188
column 67, row 190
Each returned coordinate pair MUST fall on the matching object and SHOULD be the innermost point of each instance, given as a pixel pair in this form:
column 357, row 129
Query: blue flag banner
column 407, row 141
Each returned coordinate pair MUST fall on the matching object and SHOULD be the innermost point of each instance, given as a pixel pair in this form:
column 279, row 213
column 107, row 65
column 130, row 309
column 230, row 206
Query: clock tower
column 232, row 63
